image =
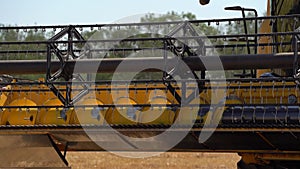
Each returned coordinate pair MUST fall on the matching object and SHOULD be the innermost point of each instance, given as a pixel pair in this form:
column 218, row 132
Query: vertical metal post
column 165, row 58
column 247, row 38
column 48, row 73
column 68, row 94
column 246, row 30
column 295, row 64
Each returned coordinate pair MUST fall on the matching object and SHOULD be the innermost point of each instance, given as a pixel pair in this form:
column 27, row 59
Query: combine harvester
column 73, row 108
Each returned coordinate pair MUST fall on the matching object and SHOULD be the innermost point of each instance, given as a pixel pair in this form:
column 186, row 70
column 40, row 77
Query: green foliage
column 238, row 28
column 117, row 33
column 22, row 52
column 169, row 16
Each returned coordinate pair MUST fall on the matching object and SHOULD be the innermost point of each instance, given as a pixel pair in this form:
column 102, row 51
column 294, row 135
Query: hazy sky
column 47, row 12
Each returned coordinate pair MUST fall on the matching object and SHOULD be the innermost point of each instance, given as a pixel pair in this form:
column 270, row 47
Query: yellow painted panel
column 122, row 115
column 158, row 115
column 89, row 115
column 58, row 116
column 22, row 116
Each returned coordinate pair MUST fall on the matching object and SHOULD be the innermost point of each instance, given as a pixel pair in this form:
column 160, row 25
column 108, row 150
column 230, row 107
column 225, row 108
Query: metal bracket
column 182, row 50
column 62, row 157
column 71, row 34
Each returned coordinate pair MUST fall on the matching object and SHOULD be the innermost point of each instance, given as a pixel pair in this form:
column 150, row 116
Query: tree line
column 41, row 35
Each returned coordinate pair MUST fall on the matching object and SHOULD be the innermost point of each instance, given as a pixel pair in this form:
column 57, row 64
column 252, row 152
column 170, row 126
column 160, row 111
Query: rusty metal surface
column 28, row 151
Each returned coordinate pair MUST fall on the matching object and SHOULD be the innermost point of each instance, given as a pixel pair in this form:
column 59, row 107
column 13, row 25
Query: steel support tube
column 229, row 62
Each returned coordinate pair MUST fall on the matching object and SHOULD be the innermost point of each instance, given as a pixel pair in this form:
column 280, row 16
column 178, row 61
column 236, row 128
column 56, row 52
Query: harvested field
column 105, row 160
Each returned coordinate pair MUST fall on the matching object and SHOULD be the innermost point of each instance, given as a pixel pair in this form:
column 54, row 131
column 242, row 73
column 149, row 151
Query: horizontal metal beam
column 211, row 21
column 229, row 62
column 220, row 141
